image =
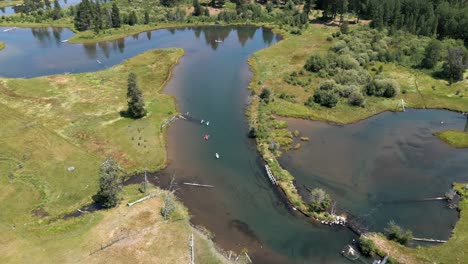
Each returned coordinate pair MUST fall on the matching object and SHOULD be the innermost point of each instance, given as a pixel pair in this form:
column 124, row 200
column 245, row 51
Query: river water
column 9, row 10
column 243, row 210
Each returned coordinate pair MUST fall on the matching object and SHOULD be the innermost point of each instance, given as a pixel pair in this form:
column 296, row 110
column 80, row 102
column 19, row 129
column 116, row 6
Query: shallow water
column 381, row 168
column 243, row 210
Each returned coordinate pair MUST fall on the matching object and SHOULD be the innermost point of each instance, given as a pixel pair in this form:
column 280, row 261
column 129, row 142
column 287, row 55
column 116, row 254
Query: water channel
column 243, row 210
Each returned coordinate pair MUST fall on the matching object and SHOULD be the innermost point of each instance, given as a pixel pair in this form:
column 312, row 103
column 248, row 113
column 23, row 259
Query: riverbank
column 458, row 139
column 453, row 251
column 9, row 3
column 122, row 234
column 73, row 121
column 272, row 68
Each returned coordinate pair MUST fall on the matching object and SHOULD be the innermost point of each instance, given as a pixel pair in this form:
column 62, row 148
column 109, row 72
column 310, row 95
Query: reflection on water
column 9, row 10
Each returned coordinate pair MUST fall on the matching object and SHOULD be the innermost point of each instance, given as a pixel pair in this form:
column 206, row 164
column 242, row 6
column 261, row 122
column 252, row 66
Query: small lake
column 243, row 210
column 9, row 10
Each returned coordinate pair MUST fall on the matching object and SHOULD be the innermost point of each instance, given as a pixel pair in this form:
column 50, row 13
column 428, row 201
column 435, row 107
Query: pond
column 243, row 210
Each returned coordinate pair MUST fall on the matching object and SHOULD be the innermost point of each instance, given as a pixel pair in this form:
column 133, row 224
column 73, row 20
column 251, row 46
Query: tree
column 455, row 64
column 57, row 13
column 398, row 234
column 196, row 8
column 432, row 54
column 319, row 200
column 147, row 18
column 308, row 5
column 366, row 246
column 116, row 22
column 136, row 105
column 132, row 19
column 109, row 184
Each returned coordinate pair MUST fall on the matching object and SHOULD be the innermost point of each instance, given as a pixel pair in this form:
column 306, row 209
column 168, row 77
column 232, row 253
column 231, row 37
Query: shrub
column 339, row 45
column 346, row 91
column 319, row 200
column 309, row 102
column 316, row 62
column 398, row 234
column 384, row 87
column 360, row 77
column 252, row 132
column 328, row 85
column 356, row 99
column 344, row 28
column 326, row 98
column 265, row 95
column 330, row 38
column 366, row 246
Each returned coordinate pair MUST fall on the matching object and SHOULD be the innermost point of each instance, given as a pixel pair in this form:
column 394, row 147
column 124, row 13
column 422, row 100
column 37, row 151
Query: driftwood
column 144, row 199
column 198, row 185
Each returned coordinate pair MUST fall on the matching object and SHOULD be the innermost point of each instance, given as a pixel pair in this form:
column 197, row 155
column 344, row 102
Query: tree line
column 442, row 18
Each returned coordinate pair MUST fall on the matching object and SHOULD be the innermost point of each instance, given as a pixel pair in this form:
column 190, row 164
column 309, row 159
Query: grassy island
column 458, row 139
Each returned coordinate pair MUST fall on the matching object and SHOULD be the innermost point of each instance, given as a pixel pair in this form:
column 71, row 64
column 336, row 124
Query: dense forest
column 439, row 18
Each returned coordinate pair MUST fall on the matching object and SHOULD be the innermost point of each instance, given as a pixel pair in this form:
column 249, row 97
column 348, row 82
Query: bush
column 339, row 45
column 366, row 246
column 252, row 132
column 330, row 38
column 326, row 98
column 384, row 87
column 319, row 200
column 265, row 95
column 328, row 85
column 360, row 77
column 398, row 234
column 316, row 62
column 356, row 99
column 346, row 91
column 344, row 28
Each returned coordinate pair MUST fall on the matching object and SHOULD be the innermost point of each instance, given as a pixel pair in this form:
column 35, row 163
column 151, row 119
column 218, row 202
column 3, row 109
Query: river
column 243, row 210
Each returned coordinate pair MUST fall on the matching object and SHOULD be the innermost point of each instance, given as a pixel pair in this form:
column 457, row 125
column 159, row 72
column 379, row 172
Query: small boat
column 206, row 137
column 201, row 122
column 217, row 155
column 218, row 41
column 208, row 123
column 65, row 40
column 98, row 61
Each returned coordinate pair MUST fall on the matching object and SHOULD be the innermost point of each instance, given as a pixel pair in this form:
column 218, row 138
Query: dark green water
column 243, row 210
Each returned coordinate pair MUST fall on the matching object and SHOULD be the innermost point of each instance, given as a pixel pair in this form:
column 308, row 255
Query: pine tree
column 136, row 105
column 147, row 18
column 109, row 184
column 116, row 22
column 132, row 19
column 57, row 13
column 196, row 8
column 308, row 5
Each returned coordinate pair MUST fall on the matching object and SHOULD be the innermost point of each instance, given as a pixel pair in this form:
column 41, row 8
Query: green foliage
column 382, row 87
column 356, row 99
column 252, row 132
column 197, row 10
column 432, row 54
column 344, row 27
column 397, row 234
column 326, row 98
column 265, row 95
column 366, row 246
column 319, row 200
column 132, row 19
column 136, row 105
column 109, row 184
column 147, row 18
column 316, row 62
column 455, row 64
column 115, row 16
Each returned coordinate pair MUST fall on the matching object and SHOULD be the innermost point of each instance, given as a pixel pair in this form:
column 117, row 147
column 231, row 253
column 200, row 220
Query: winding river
column 243, row 210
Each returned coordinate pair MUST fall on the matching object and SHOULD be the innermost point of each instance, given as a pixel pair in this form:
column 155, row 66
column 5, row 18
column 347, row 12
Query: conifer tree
column 116, row 22
column 136, row 105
